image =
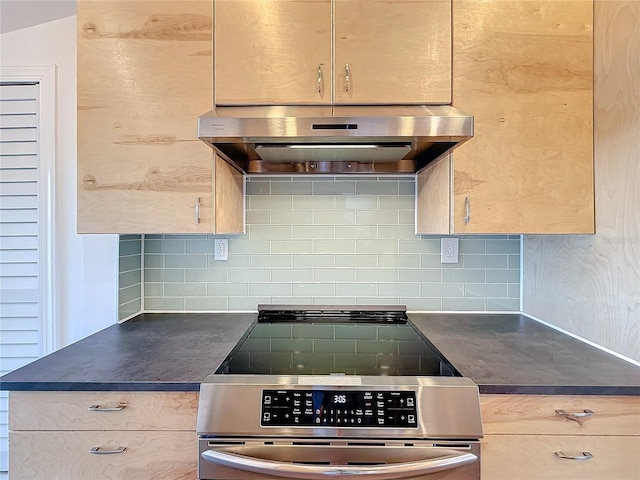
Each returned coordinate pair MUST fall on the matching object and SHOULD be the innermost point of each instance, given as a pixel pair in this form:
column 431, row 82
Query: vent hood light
column 334, row 140
column 332, row 146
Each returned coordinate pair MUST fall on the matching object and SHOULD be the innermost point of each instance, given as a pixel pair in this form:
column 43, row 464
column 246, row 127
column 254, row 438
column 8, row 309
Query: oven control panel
column 339, row 408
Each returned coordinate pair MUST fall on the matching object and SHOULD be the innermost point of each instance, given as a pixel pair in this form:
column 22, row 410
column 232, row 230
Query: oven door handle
column 446, row 460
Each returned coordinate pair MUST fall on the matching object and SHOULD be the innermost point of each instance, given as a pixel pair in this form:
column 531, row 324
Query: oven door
column 244, row 459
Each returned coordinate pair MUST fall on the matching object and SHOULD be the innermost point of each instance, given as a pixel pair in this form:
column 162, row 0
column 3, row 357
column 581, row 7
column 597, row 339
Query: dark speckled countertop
column 153, row 351
column 502, row 353
column 513, row 354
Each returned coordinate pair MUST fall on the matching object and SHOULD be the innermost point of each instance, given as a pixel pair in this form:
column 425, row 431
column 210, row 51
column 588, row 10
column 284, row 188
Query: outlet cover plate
column 221, row 249
column 449, row 250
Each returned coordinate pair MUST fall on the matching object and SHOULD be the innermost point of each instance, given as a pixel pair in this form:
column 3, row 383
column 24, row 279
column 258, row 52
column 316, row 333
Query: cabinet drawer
column 527, row 414
column 70, row 411
column 47, row 455
column 532, row 457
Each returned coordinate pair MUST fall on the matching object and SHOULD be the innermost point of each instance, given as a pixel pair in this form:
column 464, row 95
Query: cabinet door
column 103, row 411
column 524, row 69
column 538, row 414
column 396, row 52
column 275, row 52
column 228, row 207
column 433, row 198
column 67, row 455
column 533, row 457
column 144, row 76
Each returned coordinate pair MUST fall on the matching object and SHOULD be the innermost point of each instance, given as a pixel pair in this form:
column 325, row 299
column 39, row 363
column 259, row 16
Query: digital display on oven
column 339, row 408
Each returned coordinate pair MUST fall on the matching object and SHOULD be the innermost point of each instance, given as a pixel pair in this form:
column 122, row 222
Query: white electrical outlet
column 449, row 250
column 221, row 249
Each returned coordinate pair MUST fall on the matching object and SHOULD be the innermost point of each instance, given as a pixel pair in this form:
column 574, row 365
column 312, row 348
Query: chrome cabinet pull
column 198, row 210
column 584, row 456
column 347, row 77
column 578, row 417
column 98, row 408
column 319, row 79
column 104, row 451
column 467, row 210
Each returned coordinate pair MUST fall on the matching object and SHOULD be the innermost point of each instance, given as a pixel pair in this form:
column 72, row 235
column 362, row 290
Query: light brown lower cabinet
column 535, row 457
column 102, row 435
column 530, row 437
column 68, row 435
column 108, row 454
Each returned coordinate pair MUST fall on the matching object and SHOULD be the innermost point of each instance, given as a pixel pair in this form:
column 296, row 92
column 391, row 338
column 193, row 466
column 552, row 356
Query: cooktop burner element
column 376, row 341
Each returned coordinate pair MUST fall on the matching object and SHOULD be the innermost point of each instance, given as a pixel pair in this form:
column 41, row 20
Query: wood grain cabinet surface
column 67, row 455
column 524, row 69
column 144, row 76
column 301, row 52
column 560, row 437
column 52, row 435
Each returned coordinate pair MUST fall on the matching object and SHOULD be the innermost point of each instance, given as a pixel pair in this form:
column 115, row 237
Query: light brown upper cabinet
column 524, row 69
column 297, row 52
column 144, row 77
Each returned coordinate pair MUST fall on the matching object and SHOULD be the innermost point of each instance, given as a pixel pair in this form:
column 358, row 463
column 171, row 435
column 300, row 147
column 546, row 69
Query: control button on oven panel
column 339, row 408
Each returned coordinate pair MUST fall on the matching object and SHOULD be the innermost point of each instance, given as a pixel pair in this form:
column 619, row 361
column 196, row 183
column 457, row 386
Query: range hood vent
column 334, row 140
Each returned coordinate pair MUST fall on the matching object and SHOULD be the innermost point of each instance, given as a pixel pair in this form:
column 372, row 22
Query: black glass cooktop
column 315, row 341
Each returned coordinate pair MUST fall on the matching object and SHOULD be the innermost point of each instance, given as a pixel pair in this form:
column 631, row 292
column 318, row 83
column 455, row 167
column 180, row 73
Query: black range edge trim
column 224, row 365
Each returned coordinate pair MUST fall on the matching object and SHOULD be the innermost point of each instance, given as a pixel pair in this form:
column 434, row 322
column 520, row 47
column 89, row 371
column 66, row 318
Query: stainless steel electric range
column 316, row 392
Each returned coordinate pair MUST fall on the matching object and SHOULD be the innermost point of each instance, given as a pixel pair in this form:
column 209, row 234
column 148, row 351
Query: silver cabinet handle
column 392, row 471
column 578, row 417
column 584, row 456
column 319, row 79
column 467, row 210
column 198, row 210
column 347, row 77
column 98, row 408
column 104, row 451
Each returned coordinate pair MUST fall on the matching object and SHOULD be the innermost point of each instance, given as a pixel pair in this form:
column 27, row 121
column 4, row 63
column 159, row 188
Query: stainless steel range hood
column 334, row 140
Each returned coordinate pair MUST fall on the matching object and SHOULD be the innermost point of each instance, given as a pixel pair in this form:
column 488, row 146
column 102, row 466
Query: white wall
column 17, row 14
column 85, row 265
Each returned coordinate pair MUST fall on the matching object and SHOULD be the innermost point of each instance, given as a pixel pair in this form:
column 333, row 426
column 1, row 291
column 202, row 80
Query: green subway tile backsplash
column 157, row 275
column 503, row 276
column 334, row 188
column 206, row 303
column 127, row 264
column 486, row 290
column 420, row 275
column 129, row 309
column 185, row 261
column 502, row 246
column 227, row 289
column 464, row 304
column 130, row 278
column 312, row 290
column 514, row 290
column 327, row 240
column 130, row 245
column 166, row 246
column 129, row 294
column 185, row 290
column 130, row 275
column 503, row 304
column 163, row 303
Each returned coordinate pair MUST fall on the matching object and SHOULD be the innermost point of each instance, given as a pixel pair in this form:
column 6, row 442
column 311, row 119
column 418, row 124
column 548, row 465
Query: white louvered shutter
column 20, row 318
